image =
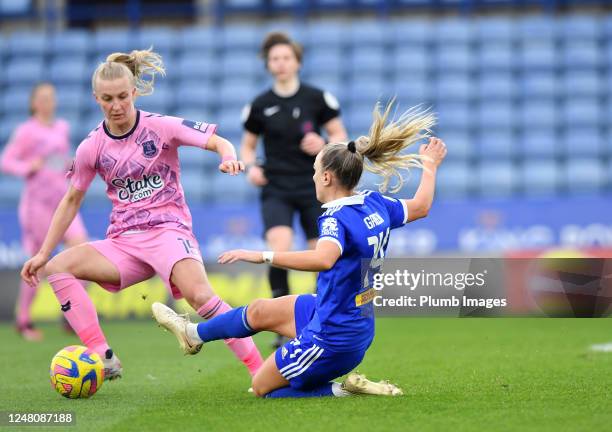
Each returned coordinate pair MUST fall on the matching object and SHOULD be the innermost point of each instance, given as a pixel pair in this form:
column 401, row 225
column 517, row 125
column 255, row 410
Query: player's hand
column 229, row 257
column 256, row 176
column 29, row 272
column 37, row 164
column 435, row 152
column 231, row 167
column 312, row 143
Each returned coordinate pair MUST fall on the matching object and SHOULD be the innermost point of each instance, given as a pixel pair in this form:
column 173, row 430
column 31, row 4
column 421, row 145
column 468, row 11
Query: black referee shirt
column 283, row 121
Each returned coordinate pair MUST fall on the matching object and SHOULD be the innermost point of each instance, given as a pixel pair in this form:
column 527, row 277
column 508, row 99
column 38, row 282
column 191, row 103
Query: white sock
column 338, row 391
column 192, row 333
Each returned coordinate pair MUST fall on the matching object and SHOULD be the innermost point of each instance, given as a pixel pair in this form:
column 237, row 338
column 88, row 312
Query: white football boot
column 112, row 365
column 356, row 383
column 177, row 324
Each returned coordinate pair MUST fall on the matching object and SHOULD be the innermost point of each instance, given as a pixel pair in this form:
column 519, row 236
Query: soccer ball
column 76, row 372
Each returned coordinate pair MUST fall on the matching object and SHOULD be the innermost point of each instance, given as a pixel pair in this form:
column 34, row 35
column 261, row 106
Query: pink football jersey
column 141, row 170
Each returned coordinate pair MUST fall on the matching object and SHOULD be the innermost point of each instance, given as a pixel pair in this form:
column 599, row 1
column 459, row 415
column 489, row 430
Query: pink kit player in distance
column 136, row 154
column 39, row 151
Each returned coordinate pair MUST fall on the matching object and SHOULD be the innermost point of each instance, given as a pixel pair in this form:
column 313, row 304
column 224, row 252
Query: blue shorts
column 303, row 362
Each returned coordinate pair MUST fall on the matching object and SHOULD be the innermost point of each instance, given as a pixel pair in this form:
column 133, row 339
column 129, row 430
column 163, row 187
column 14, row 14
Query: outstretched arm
column 418, row 207
column 322, row 258
column 225, row 149
column 12, row 161
column 62, row 218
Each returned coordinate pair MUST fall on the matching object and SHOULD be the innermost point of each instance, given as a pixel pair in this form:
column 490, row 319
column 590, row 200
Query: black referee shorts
column 279, row 206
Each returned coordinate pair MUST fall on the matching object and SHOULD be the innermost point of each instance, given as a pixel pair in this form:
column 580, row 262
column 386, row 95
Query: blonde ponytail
column 140, row 65
column 386, row 140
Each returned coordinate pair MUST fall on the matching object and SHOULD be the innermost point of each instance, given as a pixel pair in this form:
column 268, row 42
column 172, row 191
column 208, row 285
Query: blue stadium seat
column 456, row 180
column 193, row 158
column 582, row 84
column 231, row 189
column 358, row 119
column 496, row 143
column 27, row 44
column 582, row 55
column 455, row 115
column 196, row 184
column 195, row 95
column 585, row 175
column 26, row 71
column 583, row 141
column 540, row 85
column 237, row 93
column 160, row 102
column 537, row 27
column 411, row 89
column 164, row 40
column 331, row 84
column 195, row 67
column 454, row 57
column 407, row 32
column 581, row 112
column 453, row 30
column 494, row 86
column 580, row 26
column 455, row 87
column 108, row 41
column 496, row 56
column 229, row 121
column 498, row 29
column 542, row 143
column 70, row 98
column 295, row 30
column 371, row 60
column 327, row 33
column 70, row 70
column 406, row 61
column 496, row 178
column 198, row 40
column 496, row 115
column 365, row 90
column 8, row 125
column 540, row 177
column 460, row 145
column 195, row 114
column 15, row 100
column 10, row 189
column 241, row 64
column 77, row 42
column 368, row 33
column 539, row 113
column 538, row 55
column 241, row 37
column 327, row 60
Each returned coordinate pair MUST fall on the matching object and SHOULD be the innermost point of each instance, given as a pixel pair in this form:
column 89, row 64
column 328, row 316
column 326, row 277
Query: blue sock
column 231, row 324
column 288, row 392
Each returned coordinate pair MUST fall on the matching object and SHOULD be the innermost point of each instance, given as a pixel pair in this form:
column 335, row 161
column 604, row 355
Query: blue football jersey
column 359, row 225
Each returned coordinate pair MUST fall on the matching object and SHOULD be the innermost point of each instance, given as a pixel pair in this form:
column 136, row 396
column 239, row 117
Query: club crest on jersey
column 149, row 149
column 329, row 227
column 133, row 190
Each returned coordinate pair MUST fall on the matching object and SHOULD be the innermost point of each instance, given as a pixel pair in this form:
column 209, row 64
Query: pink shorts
column 35, row 230
column 139, row 256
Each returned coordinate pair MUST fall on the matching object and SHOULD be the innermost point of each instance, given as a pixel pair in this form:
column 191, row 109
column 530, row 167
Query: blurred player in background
column 39, row 151
column 331, row 330
column 136, row 154
column 289, row 117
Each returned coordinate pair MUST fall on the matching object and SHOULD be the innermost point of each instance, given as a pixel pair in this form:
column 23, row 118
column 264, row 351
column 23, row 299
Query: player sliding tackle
column 331, row 331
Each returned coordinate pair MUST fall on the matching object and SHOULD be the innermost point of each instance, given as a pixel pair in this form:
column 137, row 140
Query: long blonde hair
column 381, row 151
column 140, row 65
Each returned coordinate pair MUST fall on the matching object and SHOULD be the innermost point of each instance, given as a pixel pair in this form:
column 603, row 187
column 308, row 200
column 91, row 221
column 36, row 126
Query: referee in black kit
column 289, row 117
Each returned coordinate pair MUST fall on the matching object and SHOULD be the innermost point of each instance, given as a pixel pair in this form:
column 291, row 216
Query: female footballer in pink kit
column 136, row 154
column 39, row 152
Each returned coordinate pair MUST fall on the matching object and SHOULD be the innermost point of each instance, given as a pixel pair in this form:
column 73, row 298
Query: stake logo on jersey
column 134, row 190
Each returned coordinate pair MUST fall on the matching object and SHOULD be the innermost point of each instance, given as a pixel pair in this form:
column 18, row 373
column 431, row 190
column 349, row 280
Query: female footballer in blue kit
column 331, row 330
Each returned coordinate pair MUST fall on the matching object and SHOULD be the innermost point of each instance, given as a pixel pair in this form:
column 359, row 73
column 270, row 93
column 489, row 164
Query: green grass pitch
column 458, row 374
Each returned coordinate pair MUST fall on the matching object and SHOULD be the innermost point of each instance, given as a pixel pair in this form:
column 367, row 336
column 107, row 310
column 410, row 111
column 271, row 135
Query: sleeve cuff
column 405, row 207
column 333, row 240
